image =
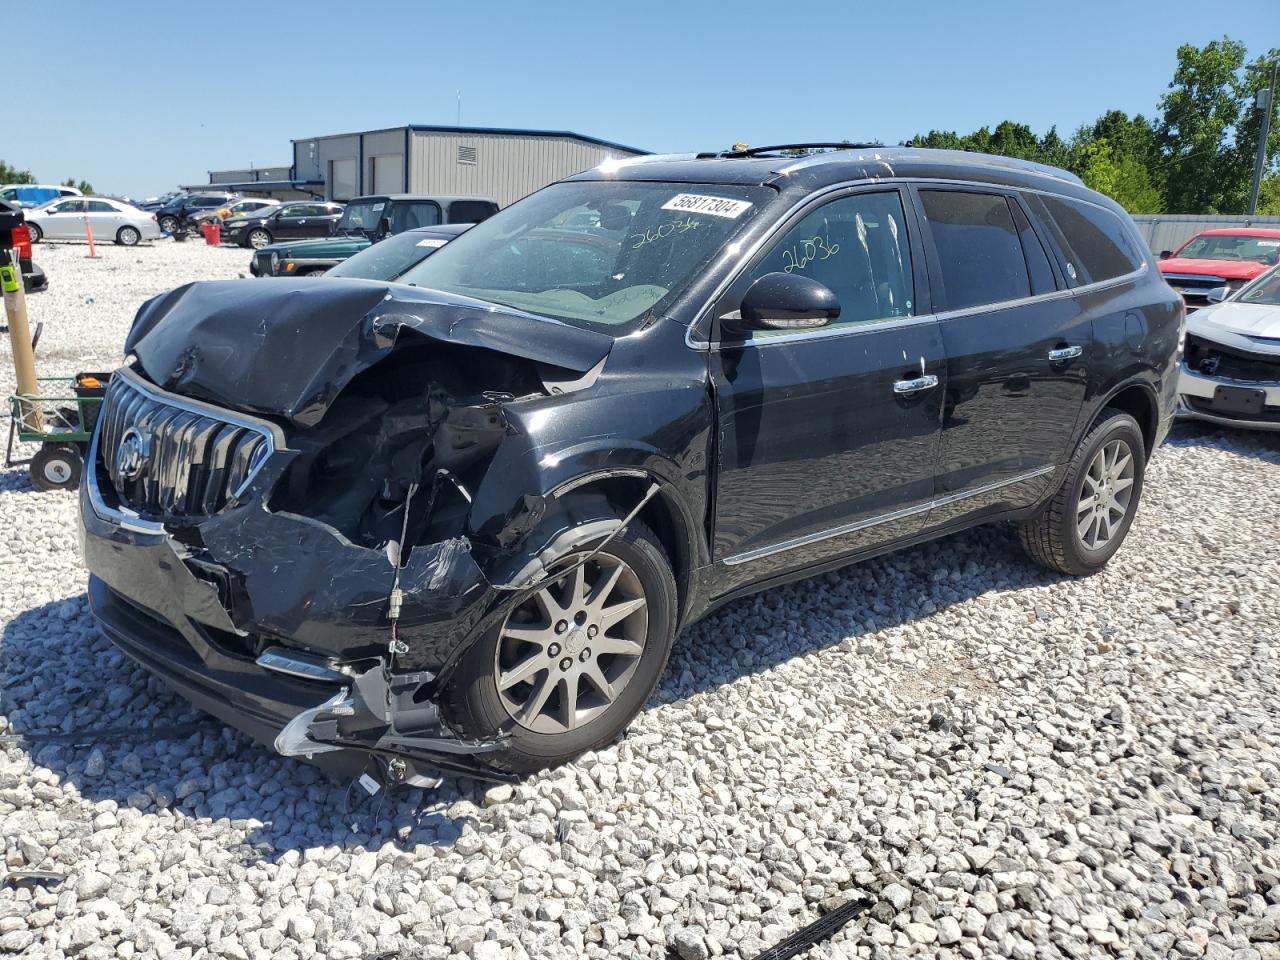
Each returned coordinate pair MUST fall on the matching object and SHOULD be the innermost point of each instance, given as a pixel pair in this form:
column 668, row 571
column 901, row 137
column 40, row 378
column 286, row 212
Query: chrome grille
column 193, row 461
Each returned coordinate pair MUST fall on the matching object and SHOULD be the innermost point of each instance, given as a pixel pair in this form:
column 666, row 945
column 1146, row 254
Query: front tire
column 1080, row 529
column 257, row 238
column 169, row 224
column 571, row 663
column 128, row 236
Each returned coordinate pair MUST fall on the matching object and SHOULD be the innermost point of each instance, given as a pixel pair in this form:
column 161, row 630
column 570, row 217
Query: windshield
column 1264, row 290
column 597, row 254
column 388, row 258
column 1257, row 249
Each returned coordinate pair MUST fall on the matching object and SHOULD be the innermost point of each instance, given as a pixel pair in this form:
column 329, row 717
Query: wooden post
column 24, row 360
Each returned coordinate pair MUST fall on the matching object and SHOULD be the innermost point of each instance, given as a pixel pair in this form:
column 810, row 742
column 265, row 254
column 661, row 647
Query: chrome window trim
column 760, row 553
column 893, row 183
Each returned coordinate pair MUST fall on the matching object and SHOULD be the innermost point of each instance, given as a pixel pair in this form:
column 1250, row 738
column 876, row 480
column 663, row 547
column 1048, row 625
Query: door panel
column 1017, row 352
column 813, row 438
column 818, row 454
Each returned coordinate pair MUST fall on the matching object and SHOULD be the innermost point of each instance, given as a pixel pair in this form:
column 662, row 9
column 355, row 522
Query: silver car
column 1231, row 368
column 110, row 219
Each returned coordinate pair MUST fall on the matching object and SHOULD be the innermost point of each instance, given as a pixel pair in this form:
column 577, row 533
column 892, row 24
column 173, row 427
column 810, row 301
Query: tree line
column 1196, row 155
column 10, row 175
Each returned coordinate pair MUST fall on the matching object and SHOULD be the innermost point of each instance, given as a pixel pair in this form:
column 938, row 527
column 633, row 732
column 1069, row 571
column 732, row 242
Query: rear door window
column 471, row 211
column 1042, row 279
column 408, row 216
column 1101, row 247
column 979, row 252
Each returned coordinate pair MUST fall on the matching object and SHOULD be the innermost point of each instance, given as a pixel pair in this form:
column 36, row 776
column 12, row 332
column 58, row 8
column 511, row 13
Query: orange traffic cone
column 88, row 232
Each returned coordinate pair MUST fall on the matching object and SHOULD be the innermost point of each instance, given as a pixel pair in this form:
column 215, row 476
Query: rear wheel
column 258, row 238
column 128, row 236
column 56, row 467
column 36, row 233
column 1083, row 525
column 574, row 660
column 169, row 224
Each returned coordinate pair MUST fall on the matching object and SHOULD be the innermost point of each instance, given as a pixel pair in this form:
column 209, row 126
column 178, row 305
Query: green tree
column 10, row 174
column 1122, row 177
column 1257, row 76
column 84, row 186
column 1199, row 116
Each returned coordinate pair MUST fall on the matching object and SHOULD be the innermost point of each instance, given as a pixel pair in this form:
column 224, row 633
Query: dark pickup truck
column 365, row 221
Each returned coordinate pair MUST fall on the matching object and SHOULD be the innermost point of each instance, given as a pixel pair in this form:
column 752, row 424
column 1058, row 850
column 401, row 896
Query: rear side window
column 1100, row 245
column 471, row 211
column 408, row 216
column 100, row 206
column 980, row 254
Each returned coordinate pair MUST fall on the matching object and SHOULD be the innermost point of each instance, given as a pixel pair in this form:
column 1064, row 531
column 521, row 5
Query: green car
column 365, row 221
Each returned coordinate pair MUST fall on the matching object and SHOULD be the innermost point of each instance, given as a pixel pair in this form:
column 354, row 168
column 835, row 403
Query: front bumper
column 1196, row 400
column 201, row 618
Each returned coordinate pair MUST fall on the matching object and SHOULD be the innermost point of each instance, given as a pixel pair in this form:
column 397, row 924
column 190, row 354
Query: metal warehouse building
column 502, row 163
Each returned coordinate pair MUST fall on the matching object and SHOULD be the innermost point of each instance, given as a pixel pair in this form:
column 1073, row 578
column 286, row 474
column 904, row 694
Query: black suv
column 457, row 521
column 175, row 215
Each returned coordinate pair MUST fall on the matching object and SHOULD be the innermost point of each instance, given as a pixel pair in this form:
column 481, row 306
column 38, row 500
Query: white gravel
column 1008, row 763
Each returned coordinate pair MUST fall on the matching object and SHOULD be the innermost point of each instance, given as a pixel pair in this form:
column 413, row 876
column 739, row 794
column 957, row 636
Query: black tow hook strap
column 816, row 932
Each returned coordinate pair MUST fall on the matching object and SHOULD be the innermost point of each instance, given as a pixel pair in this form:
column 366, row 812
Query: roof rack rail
column 779, row 147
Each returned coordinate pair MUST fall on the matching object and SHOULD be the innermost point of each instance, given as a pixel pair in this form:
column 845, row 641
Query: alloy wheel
column 1106, row 494
column 259, row 239
column 568, row 650
column 129, row 236
column 169, row 225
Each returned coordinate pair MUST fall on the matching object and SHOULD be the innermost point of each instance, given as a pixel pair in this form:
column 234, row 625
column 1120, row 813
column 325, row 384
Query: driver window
column 856, row 246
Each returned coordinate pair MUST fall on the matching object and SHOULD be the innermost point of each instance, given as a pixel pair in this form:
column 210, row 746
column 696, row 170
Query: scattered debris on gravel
column 1004, row 762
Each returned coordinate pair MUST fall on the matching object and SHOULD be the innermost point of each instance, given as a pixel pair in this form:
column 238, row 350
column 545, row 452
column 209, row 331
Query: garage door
column 342, row 179
column 386, row 174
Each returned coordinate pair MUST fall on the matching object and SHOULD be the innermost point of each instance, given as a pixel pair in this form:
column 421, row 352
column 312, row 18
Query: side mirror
column 1218, row 294
column 1166, row 254
column 784, row 301
column 384, row 227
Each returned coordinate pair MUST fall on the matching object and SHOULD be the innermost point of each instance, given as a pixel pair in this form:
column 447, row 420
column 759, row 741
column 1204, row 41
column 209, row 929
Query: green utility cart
column 63, row 424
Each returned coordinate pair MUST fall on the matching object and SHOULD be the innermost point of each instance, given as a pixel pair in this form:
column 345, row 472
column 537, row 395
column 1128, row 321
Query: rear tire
column 527, row 642
column 169, row 224
column 56, row 467
column 128, row 236
column 36, row 233
column 1083, row 525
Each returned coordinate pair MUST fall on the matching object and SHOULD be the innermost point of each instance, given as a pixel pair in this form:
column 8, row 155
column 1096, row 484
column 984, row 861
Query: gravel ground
column 1005, row 762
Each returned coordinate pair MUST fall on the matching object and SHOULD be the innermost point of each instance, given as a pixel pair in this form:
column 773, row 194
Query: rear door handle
column 1065, row 353
column 926, row 382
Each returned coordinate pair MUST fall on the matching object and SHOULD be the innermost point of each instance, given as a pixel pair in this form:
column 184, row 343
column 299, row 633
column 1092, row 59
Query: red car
column 1229, row 257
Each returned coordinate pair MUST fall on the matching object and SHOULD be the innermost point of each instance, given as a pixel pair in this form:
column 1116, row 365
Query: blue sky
column 100, row 97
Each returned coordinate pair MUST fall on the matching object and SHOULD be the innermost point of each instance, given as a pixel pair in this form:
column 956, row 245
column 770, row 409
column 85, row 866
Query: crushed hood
column 1248, row 326
column 287, row 347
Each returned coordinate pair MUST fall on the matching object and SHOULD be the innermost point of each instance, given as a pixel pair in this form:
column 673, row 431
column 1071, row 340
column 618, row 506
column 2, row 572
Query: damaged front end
column 276, row 516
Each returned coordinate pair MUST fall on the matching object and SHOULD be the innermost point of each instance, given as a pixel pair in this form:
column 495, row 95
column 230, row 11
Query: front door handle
column 926, row 382
column 1065, row 353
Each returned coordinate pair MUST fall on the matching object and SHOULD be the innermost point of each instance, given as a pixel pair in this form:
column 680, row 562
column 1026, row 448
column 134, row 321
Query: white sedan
column 1231, row 368
column 110, row 220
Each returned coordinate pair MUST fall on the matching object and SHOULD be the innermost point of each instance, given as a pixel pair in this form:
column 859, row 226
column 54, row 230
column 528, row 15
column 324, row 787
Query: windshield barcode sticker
column 430, row 242
column 715, row 206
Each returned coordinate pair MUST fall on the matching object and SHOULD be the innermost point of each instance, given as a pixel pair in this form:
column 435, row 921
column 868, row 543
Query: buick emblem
column 132, row 454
